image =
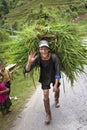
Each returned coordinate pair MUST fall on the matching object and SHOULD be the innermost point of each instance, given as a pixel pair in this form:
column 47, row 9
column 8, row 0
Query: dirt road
column 72, row 114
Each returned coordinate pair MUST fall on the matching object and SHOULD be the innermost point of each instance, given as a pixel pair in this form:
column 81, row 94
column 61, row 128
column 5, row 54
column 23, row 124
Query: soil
column 80, row 17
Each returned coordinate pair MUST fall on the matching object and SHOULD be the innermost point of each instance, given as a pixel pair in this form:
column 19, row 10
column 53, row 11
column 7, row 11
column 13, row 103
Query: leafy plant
column 64, row 41
column 4, row 38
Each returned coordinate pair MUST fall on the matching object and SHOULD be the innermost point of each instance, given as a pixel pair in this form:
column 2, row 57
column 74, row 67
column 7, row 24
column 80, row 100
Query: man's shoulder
column 53, row 55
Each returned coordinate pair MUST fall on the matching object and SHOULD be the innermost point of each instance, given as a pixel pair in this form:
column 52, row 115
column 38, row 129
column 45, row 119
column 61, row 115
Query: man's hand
column 55, row 89
column 31, row 57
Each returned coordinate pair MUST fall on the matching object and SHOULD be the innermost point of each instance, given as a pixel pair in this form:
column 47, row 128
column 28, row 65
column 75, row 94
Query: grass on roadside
column 83, row 27
column 22, row 89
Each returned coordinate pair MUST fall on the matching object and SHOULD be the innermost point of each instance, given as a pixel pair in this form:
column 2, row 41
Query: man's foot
column 57, row 105
column 48, row 119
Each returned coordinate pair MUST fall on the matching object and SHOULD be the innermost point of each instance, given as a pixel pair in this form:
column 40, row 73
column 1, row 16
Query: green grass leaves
column 66, row 44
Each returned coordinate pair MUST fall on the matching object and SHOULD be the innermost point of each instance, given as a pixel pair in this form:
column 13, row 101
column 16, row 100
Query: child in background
column 7, row 76
column 5, row 101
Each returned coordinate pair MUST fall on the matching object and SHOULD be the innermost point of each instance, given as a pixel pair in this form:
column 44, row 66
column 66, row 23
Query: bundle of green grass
column 64, row 41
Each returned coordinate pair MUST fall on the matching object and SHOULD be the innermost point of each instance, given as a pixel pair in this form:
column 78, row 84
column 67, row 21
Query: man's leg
column 47, row 105
column 56, row 96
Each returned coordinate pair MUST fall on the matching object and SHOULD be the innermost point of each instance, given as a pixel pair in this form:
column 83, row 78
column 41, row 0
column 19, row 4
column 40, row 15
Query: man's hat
column 43, row 43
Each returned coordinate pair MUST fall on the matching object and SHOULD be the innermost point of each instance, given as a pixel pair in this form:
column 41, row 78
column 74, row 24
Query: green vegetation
column 28, row 11
column 22, row 89
column 42, row 19
column 4, row 39
column 83, row 27
column 66, row 43
column 4, row 36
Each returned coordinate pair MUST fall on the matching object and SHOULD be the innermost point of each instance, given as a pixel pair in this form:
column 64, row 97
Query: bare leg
column 56, row 96
column 47, row 106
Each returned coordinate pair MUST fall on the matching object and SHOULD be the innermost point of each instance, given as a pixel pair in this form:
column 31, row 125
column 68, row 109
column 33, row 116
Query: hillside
column 27, row 11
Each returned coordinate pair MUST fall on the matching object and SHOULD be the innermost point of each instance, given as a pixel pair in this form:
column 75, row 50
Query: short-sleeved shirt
column 49, row 69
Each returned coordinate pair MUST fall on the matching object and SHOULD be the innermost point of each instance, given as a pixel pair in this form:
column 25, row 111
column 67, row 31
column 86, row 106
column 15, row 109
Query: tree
column 5, row 7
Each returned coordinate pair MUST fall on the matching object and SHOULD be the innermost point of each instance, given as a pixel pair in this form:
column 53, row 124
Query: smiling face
column 44, row 51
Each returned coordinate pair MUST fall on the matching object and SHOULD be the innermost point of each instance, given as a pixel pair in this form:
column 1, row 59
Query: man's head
column 44, row 49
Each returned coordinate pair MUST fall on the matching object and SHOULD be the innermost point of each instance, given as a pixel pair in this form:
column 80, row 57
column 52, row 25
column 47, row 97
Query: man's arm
column 32, row 62
column 28, row 66
column 57, row 72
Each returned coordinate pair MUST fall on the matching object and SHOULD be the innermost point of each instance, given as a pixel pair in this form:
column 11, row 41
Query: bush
column 4, row 36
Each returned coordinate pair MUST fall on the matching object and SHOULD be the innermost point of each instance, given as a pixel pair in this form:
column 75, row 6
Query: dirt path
column 80, row 17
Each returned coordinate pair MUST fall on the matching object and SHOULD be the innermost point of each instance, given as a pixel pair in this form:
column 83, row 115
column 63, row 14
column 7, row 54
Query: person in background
column 49, row 73
column 7, row 76
column 5, row 101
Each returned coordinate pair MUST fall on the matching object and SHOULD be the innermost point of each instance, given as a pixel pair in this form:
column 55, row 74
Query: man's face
column 44, row 51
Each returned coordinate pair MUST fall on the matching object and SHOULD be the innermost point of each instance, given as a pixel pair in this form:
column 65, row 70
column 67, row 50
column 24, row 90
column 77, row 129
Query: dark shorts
column 48, row 86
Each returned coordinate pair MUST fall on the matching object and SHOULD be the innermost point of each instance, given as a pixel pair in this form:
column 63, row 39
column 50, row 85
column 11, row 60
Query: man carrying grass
column 49, row 73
